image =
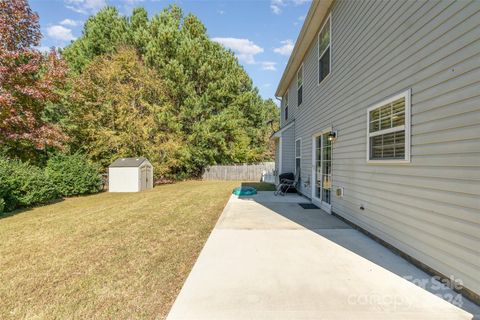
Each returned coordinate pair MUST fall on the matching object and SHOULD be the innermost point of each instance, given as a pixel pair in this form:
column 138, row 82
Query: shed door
column 148, row 179
column 143, row 178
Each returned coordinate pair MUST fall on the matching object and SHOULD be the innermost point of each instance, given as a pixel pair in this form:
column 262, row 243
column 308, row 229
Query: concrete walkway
column 268, row 258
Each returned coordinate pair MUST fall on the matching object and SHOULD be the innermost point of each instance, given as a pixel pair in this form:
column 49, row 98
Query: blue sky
column 261, row 32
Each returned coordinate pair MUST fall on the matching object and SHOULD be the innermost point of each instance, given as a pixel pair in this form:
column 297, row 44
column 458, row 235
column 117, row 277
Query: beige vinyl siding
column 429, row 208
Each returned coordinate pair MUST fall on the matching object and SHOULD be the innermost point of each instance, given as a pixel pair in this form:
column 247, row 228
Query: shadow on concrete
column 340, row 233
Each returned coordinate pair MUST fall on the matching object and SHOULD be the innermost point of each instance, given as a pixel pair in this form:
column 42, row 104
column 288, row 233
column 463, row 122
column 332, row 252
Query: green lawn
column 106, row 256
column 260, row 186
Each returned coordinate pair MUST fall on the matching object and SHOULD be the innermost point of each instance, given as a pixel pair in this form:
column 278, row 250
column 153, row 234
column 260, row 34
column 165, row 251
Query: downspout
column 280, row 100
column 279, row 146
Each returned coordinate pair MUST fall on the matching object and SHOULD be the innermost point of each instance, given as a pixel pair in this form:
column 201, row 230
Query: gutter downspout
column 279, row 169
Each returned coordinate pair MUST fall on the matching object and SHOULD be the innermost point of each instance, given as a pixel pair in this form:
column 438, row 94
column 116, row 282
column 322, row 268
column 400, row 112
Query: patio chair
column 286, row 184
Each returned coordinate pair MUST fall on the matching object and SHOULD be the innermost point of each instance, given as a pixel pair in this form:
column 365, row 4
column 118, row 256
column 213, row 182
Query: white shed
column 130, row 175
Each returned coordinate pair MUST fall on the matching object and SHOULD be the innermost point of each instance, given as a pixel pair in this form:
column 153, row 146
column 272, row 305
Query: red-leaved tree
column 29, row 80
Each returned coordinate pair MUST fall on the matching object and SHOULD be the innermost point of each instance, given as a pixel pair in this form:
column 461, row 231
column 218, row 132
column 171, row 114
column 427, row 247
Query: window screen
column 324, row 38
column 388, row 129
column 300, row 86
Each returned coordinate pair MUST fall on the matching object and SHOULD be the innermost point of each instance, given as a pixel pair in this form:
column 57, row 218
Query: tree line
column 157, row 87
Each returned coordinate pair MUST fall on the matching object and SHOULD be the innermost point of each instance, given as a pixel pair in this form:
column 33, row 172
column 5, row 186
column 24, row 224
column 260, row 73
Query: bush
column 22, row 184
column 73, row 174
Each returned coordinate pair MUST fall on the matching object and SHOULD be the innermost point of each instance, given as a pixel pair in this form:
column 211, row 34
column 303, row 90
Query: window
column 285, row 98
column 300, row 85
column 298, row 156
column 389, row 130
column 324, row 39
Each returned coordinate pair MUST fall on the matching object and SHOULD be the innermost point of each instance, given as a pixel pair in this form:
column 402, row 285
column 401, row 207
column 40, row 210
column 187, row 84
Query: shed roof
column 128, row 162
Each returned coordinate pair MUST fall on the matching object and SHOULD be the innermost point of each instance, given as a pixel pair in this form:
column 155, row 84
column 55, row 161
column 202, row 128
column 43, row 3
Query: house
column 380, row 116
column 130, row 175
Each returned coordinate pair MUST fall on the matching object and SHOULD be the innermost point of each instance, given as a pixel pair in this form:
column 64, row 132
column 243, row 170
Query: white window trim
column 301, row 86
column 300, row 157
column 328, row 209
column 329, row 46
column 407, row 127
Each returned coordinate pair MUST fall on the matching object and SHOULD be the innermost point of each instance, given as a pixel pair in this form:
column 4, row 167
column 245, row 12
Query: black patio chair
column 285, row 184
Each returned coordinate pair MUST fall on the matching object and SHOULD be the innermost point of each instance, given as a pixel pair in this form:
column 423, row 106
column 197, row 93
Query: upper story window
column 389, row 130
column 285, row 99
column 298, row 156
column 300, row 85
column 324, row 40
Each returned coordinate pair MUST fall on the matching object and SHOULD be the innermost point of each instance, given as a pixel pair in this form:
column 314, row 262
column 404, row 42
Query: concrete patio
column 268, row 258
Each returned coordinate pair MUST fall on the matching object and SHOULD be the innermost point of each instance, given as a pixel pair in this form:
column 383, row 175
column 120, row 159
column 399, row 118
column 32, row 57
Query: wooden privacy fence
column 242, row 172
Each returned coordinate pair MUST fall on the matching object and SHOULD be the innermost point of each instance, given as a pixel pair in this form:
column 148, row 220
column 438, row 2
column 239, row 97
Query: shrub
column 22, row 184
column 73, row 174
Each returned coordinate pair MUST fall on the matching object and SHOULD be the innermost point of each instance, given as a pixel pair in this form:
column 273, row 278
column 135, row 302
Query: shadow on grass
column 37, row 205
column 26, row 209
column 260, row 186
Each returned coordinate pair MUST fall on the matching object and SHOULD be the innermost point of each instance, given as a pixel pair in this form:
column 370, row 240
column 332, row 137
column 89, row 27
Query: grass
column 106, row 256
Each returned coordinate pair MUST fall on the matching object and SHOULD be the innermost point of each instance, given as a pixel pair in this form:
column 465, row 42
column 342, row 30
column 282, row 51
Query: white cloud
column 132, row 2
column 129, row 5
column 221, row 12
column 85, row 6
column 276, row 6
column 60, row 33
column 243, row 48
column 69, row 22
column 269, row 65
column 300, row 2
column 286, row 48
column 275, row 9
column 299, row 19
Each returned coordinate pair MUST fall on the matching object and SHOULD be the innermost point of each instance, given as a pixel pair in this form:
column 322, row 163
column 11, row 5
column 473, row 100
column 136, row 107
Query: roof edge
column 315, row 17
column 278, row 133
column 115, row 165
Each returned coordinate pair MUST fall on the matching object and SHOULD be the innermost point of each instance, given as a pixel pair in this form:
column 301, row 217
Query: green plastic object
column 244, row 191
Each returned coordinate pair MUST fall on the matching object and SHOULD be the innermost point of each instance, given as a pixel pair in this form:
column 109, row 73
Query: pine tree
column 219, row 114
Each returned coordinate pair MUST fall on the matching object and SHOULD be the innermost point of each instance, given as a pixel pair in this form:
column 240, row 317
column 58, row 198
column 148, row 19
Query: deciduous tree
column 120, row 109
column 29, row 80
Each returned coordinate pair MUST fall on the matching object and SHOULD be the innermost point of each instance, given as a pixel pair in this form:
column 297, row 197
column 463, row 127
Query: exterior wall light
column 332, row 136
